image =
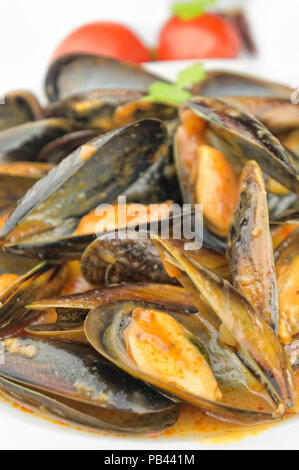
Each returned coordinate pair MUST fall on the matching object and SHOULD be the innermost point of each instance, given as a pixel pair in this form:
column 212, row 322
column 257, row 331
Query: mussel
column 176, row 352
column 259, row 349
column 287, row 268
column 18, row 108
column 241, row 138
column 73, row 383
column 212, row 145
column 132, row 257
column 77, row 73
column 72, row 310
column 106, row 110
column 250, row 249
column 279, row 115
column 94, row 174
column 16, row 178
column 111, row 313
column 40, row 282
column 58, row 149
column 94, row 109
column 24, row 142
column 220, row 83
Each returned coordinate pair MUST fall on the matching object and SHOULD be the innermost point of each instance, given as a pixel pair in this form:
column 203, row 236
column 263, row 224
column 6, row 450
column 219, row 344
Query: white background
column 31, row 29
column 29, row 32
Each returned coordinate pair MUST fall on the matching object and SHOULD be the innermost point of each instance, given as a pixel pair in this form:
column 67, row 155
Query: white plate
column 21, row 430
column 29, row 52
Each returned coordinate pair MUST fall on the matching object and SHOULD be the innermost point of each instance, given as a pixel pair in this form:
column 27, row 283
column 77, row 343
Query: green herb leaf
column 189, row 10
column 193, row 74
column 160, row 91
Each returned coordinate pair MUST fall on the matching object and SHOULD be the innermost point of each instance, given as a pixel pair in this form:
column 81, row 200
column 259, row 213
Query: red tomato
column 104, row 38
column 207, row 36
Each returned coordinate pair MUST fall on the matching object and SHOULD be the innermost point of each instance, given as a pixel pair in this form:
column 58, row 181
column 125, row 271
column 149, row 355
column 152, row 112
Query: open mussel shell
column 287, row 249
column 85, row 388
column 12, row 264
column 16, row 178
column 77, row 73
column 94, row 174
column 73, row 309
column 258, row 346
column 287, row 269
column 58, row 331
column 291, row 142
column 143, row 109
column 86, row 416
column 24, row 142
column 56, row 150
column 279, row 115
column 106, row 110
column 219, row 83
column 41, row 282
column 250, row 249
column 53, row 246
column 105, row 329
column 95, row 108
column 241, row 137
column 158, row 183
column 288, row 216
column 18, row 108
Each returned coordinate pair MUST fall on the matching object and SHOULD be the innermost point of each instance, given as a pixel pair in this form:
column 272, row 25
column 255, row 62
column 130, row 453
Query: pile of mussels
column 145, row 323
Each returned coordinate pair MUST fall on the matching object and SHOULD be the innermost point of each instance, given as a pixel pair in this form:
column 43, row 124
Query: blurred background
column 30, row 31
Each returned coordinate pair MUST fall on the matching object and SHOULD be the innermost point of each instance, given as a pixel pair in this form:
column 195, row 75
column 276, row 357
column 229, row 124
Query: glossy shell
column 79, row 73
column 96, row 173
column 24, row 142
column 250, row 249
column 259, row 348
column 73, row 375
column 42, row 281
column 18, row 108
column 241, row 138
column 104, row 326
column 221, row 83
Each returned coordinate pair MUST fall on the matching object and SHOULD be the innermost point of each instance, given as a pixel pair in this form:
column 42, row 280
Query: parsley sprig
column 178, row 92
column 189, row 10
